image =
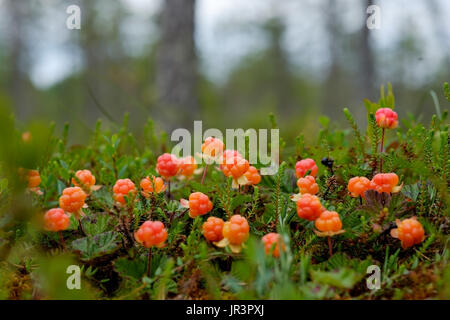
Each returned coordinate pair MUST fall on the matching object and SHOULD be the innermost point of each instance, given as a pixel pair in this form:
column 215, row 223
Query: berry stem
column 204, row 174
column 381, row 150
column 81, row 227
column 168, row 190
column 360, row 200
column 61, row 238
column 149, row 261
column 330, row 246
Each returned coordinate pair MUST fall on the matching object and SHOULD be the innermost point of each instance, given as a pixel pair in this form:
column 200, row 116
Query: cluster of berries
column 381, row 182
column 231, row 163
column 309, row 206
column 168, row 166
column 232, row 233
column 72, row 201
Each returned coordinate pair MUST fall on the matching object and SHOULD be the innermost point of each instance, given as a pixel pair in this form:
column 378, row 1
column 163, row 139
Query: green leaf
column 102, row 244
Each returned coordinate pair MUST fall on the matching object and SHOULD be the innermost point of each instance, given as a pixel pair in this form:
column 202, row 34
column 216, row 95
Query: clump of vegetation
column 378, row 197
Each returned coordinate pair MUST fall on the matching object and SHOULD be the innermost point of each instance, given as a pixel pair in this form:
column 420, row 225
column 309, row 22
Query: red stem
column 330, row 246
column 381, row 151
column 204, row 174
column 61, row 238
column 149, row 261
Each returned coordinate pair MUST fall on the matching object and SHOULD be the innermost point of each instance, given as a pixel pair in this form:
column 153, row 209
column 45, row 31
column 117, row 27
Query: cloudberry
column 34, row 179
column 151, row 233
column 309, row 207
column 56, row 220
column 235, row 167
column 252, row 175
column 212, row 229
column 303, row 166
column 409, row 232
column 72, row 200
column 167, row 165
column 329, row 222
column 236, row 230
column 84, row 179
column 212, row 147
column 386, row 118
column 307, row 185
column 156, row 184
column 358, row 185
column 199, row 204
column 187, row 166
column 272, row 241
column 123, row 187
column 385, row 182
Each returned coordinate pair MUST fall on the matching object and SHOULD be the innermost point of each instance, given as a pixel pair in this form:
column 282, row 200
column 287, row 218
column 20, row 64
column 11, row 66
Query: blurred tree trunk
column 176, row 65
column 16, row 48
column 367, row 68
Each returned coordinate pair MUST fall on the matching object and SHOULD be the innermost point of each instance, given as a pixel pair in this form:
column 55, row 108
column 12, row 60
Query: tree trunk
column 176, row 70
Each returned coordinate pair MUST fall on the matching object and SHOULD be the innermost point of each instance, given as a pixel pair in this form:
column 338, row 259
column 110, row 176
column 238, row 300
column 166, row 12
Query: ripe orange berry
column 72, row 199
column 212, row 229
column 236, row 230
column 309, row 207
column 252, row 175
column 85, row 179
column 272, row 241
column 235, row 167
column 167, row 165
column 123, row 187
column 307, row 185
column 34, row 179
column 328, row 221
column 386, row 118
column 384, row 182
column 187, row 166
column 303, row 166
column 358, row 185
column 56, row 220
column 199, row 204
column 212, row 147
column 409, row 232
column 151, row 233
column 156, row 184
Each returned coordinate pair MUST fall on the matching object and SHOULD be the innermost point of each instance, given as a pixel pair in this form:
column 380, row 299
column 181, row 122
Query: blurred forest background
column 226, row 62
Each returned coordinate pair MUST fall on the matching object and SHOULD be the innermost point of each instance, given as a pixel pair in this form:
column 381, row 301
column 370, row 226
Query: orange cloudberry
column 385, row 182
column 212, row 229
column 358, row 185
column 272, row 241
column 236, row 230
column 84, row 179
column 56, row 220
column 252, row 175
column 123, row 187
column 198, row 204
column 212, row 147
column 307, row 185
column 187, row 166
column 34, row 179
column 72, row 200
column 151, row 233
column 329, row 222
column 156, row 184
column 409, row 232
column 236, row 167
column 167, row 165
column 386, row 118
column 305, row 165
column 309, row 207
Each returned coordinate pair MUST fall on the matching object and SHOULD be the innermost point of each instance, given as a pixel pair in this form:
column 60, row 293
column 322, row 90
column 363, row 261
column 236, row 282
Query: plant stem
column 381, row 151
column 168, row 190
column 204, row 174
column 81, row 227
column 149, row 261
column 330, row 246
column 360, row 200
column 61, row 238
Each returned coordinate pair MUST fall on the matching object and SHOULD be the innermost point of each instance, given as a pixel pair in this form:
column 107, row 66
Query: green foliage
column 114, row 265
